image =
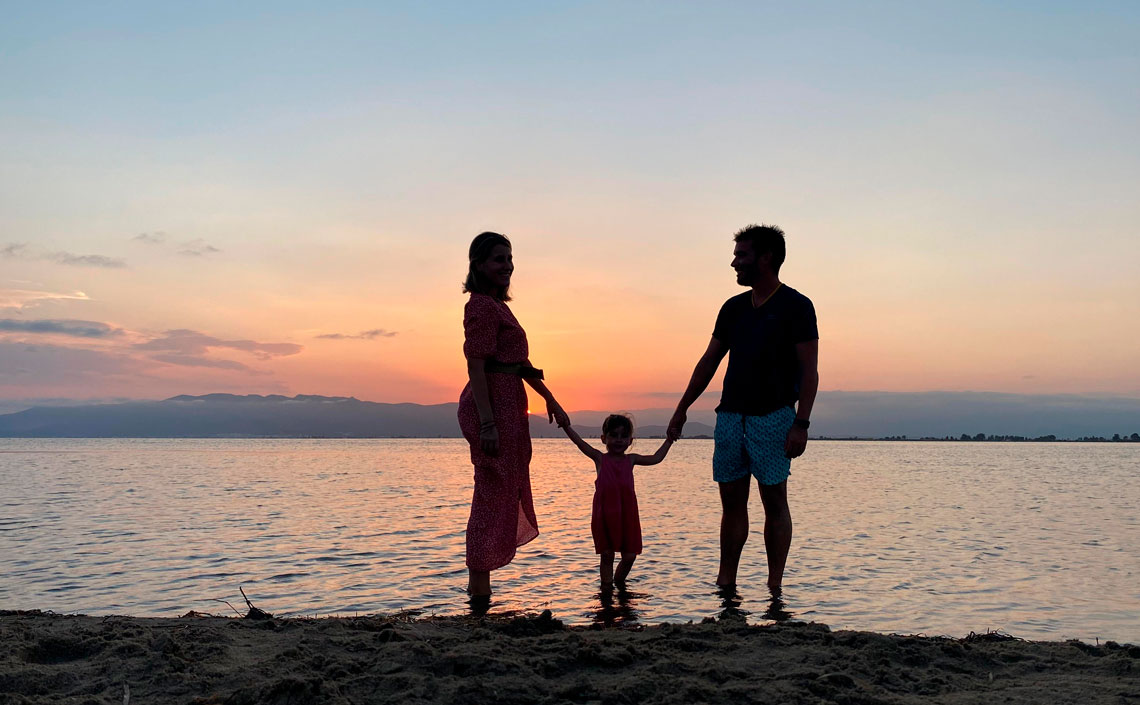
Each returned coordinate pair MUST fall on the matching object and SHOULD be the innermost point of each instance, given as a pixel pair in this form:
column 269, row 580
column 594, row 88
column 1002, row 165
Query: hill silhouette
column 836, row 415
column 262, row 416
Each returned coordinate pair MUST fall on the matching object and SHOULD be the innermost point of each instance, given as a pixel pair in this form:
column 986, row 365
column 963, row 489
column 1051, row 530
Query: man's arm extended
column 702, row 375
column 808, row 355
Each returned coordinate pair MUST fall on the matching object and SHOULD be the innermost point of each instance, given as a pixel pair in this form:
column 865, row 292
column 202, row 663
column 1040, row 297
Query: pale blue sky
column 958, row 181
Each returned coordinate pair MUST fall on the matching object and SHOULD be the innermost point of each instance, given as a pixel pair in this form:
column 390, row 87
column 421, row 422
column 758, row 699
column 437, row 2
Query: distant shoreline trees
column 993, row 438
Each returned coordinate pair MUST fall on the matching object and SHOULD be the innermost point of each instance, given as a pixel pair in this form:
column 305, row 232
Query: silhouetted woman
column 493, row 414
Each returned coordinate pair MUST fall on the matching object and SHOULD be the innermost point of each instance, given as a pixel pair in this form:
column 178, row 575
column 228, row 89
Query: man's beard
column 747, row 277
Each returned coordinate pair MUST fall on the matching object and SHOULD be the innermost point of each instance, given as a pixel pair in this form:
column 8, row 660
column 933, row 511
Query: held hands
column 675, row 425
column 555, row 413
column 796, row 442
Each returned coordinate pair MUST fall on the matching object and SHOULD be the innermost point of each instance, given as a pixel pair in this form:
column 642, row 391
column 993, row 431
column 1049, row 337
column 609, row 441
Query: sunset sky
column 278, row 197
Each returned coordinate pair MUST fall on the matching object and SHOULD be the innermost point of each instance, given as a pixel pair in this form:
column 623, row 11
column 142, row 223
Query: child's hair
column 617, row 422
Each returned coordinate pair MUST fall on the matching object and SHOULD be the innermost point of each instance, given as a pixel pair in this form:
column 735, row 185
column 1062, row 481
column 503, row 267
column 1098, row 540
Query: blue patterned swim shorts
column 755, row 444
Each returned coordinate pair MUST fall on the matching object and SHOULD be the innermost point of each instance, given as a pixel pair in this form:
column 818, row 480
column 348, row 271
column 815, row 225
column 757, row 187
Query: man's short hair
column 764, row 238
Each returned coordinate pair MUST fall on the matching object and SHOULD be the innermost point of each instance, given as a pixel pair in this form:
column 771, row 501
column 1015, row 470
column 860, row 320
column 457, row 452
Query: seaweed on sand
column 988, row 636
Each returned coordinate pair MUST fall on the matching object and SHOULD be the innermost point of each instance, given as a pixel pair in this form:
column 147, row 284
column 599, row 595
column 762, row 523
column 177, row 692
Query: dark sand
column 47, row 658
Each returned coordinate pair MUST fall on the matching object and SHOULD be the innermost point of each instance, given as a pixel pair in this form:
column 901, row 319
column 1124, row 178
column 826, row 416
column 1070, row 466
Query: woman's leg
column 626, row 563
column 479, row 582
column 489, row 538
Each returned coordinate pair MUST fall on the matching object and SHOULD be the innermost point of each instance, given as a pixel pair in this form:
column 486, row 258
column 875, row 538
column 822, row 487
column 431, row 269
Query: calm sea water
column 1040, row 540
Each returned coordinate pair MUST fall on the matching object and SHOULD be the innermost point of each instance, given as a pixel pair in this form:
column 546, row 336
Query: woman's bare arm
column 488, row 433
column 554, row 410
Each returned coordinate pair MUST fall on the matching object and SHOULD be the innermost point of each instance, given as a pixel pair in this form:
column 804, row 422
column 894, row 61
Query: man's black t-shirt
column 763, row 370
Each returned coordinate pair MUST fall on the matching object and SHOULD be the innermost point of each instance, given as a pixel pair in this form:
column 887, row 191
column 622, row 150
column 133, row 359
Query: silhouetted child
column 615, row 524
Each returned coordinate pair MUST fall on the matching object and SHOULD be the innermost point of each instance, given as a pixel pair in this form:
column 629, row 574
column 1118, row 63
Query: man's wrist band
column 801, row 423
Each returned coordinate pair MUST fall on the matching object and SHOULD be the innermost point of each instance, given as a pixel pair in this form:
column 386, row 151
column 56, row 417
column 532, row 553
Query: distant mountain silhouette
column 938, row 414
column 257, row 416
column 837, row 414
column 229, row 415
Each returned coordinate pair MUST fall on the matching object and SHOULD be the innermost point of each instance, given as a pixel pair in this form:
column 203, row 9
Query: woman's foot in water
column 479, row 604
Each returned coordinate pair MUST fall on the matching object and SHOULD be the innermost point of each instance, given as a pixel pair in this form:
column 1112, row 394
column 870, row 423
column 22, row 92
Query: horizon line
column 67, row 401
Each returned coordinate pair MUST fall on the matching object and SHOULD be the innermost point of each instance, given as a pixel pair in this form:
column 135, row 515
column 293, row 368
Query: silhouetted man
column 772, row 342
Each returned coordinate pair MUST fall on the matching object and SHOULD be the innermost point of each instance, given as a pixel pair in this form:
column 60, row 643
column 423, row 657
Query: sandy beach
column 48, row 658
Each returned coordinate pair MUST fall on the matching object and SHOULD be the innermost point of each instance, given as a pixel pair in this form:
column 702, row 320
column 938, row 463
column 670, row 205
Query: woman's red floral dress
column 502, row 508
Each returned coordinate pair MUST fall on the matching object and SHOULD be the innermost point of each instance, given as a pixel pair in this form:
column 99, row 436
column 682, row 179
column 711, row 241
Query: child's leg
column 627, row 560
column 606, row 569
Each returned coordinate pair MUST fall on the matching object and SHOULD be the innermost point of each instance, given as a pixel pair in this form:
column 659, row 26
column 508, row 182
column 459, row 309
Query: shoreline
column 698, row 437
column 47, row 657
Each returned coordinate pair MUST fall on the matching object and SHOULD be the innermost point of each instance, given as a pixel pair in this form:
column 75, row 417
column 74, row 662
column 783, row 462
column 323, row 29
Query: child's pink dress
column 615, row 523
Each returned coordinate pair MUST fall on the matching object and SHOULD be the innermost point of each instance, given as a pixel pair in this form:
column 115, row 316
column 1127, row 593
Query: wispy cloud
column 20, row 299
column 197, row 361
column 78, row 329
column 197, row 248
column 187, row 248
column 20, row 250
column 191, row 342
column 75, row 260
column 52, row 366
column 190, row 348
column 363, row 335
column 153, row 238
column 115, row 365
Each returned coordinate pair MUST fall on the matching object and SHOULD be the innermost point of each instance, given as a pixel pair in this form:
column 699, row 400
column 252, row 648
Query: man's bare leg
column 777, row 532
column 733, row 527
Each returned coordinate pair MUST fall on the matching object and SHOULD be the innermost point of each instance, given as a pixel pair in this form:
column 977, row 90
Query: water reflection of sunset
column 341, row 526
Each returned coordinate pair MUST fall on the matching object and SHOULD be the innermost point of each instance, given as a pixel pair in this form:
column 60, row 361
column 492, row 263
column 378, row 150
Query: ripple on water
column 943, row 538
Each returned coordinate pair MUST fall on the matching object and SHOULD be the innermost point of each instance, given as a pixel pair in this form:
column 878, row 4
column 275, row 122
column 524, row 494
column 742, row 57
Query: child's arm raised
column 590, row 451
column 656, row 457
